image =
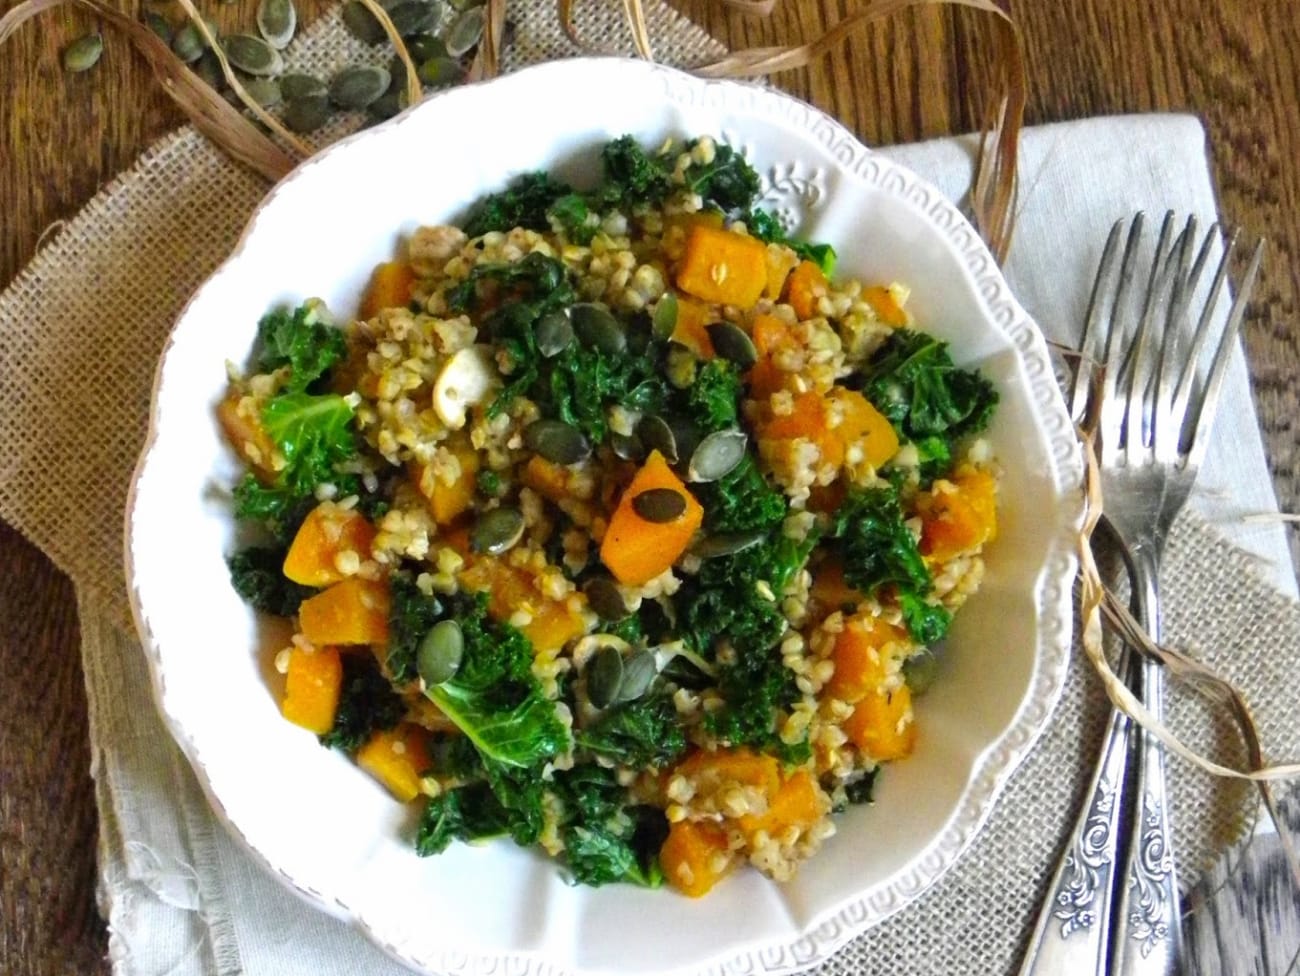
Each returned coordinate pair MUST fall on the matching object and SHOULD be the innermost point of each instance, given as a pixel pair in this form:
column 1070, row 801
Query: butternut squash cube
column 311, row 688
column 390, row 287
column 804, row 289
column 398, row 758
column 323, row 543
column 863, row 654
column 695, row 856
column 723, row 267
column 797, row 803
column 353, row 611
column 636, row 550
column 958, row 515
column 882, row 726
column 449, row 500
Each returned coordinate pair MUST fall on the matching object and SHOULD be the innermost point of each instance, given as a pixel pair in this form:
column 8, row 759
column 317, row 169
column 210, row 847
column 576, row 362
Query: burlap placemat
column 98, row 301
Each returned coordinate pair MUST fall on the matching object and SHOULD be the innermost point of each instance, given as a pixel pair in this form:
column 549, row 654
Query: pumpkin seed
column 920, row 670
column 307, row 114
column 276, row 22
column 627, row 446
column 438, row 657
column 83, row 53
column 440, row 72
column 659, row 504
column 557, row 442
column 554, row 333
column 357, row 86
column 639, row 672
column 252, row 55
column 497, row 531
column 465, row 31
column 208, row 68
column 604, row 676
column 686, row 434
column 656, row 435
column 265, row 91
column 188, row 44
column 717, row 455
column 415, row 17
column 361, row 23
column 159, row 25
column 299, row 85
column 730, row 342
column 596, row 326
column 422, row 47
column 388, row 104
column 664, row 321
column 727, row 544
column 604, row 598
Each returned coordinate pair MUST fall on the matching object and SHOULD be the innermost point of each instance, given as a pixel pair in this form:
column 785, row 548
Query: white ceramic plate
column 333, row 834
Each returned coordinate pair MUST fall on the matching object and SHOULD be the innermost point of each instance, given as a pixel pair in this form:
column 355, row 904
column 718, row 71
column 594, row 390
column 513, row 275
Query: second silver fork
column 1151, row 445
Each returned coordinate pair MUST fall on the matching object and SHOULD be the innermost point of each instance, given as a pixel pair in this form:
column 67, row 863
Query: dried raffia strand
column 414, row 93
column 266, row 118
column 211, row 114
column 487, row 59
column 640, row 33
column 1096, row 601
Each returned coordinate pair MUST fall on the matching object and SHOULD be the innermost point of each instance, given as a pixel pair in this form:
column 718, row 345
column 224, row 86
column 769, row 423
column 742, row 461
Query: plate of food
column 652, row 519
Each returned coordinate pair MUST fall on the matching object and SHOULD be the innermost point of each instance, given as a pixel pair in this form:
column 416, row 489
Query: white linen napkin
column 182, row 897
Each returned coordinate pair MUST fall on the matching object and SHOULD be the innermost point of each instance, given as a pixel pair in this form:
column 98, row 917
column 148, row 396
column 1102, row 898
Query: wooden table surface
column 1236, row 64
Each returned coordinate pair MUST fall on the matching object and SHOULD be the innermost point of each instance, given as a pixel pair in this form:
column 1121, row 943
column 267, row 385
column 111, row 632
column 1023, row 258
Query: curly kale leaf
column 280, row 510
column 608, row 853
column 727, row 181
column 713, row 400
column 927, row 622
column 258, row 577
column 583, row 382
column 633, row 176
column 367, row 703
column 522, row 204
column 766, row 227
column 470, row 812
column 742, row 501
column 301, row 340
column 410, row 616
column 536, row 278
column 639, row 733
column 313, row 433
column 912, row 380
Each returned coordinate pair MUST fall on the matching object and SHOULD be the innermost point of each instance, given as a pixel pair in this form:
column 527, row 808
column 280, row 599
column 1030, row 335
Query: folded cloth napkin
column 182, row 897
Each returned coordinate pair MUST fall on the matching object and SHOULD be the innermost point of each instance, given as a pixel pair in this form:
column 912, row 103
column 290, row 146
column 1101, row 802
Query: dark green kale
column 522, row 204
column 927, row 622
column 582, row 383
column 280, row 510
column 727, row 181
column 488, row 482
column 912, row 380
column 470, row 812
column 633, row 176
column 742, row 501
column 639, row 733
column 606, row 839
column 411, row 614
column 573, row 215
column 301, row 340
column 860, row 789
column 712, row 402
column 539, row 280
column 367, row 703
column 258, row 577
column 314, row 433
column 766, row 227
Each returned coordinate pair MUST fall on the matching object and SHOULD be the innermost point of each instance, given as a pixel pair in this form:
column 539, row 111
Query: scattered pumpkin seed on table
column 362, row 24
column 357, row 86
column 307, row 113
column 276, row 22
column 465, row 31
column 422, row 47
column 389, row 103
column 415, row 17
column 252, row 55
column 188, row 44
column 440, row 72
column 208, row 68
column 83, row 53
column 265, row 91
column 295, row 84
column 159, row 25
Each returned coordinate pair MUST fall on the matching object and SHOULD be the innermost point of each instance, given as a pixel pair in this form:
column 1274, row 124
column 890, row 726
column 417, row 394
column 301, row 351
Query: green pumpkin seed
column 639, row 673
column 604, row 598
column 159, row 25
column 727, row 544
column 208, row 68
column 920, row 670
column 440, row 72
column 188, row 44
column 465, row 31
column 438, row 657
column 361, row 23
column 252, row 55
column 307, row 113
column 627, row 446
column 595, row 326
column 604, row 676
column 388, row 104
column 686, row 434
column 497, row 531
column 554, row 333
column 659, row 505
column 663, row 322
column 299, row 85
column 276, row 22
column 357, row 86
column 717, row 455
column 415, row 17
column 422, row 47
column 83, row 53
column 731, row 342
column 265, row 91
column 557, row 442
column 656, row 435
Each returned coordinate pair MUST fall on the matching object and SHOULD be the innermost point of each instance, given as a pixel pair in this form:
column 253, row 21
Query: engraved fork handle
column 1147, row 940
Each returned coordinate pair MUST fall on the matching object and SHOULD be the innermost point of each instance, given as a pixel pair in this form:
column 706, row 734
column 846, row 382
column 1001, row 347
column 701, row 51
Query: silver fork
column 1153, row 431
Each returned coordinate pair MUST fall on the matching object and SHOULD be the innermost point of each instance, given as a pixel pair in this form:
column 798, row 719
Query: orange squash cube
column 805, row 287
column 883, row 303
column 326, row 535
column 781, row 260
column 636, row 550
column 390, row 286
column 240, row 416
column 861, row 423
column 723, row 267
column 695, row 856
column 509, row 589
column 398, row 758
column 797, row 803
column 739, row 765
column 312, row 687
column 958, row 515
column 352, row 611
column 862, row 656
column 692, row 328
column 448, row 501
column 882, row 726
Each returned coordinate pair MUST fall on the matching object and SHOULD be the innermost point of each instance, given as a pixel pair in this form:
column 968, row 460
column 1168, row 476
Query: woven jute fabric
column 81, row 329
